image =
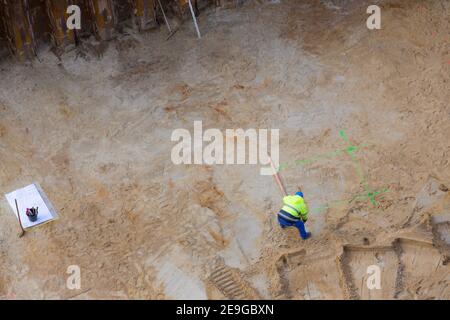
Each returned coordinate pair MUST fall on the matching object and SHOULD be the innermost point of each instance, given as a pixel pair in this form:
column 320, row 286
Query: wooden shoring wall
column 26, row 24
column 103, row 18
column 144, row 14
column 18, row 29
column 61, row 36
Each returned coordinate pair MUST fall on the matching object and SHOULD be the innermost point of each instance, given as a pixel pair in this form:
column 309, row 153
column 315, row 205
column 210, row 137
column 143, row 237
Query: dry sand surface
column 95, row 133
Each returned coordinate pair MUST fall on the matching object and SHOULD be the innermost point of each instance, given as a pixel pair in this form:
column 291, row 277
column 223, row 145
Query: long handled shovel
column 277, row 177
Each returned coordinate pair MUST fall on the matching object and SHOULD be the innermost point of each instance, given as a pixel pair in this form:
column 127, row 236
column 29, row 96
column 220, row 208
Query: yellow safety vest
column 296, row 206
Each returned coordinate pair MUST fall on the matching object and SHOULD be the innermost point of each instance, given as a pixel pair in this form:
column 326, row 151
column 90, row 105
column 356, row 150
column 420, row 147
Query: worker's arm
column 304, row 214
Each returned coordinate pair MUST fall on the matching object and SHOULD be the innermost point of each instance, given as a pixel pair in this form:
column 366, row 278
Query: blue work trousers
column 298, row 224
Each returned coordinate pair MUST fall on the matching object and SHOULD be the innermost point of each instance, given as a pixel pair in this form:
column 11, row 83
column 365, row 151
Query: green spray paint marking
column 358, row 197
column 331, row 154
column 350, row 151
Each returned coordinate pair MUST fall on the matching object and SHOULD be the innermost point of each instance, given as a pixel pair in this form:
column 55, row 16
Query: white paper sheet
column 28, row 197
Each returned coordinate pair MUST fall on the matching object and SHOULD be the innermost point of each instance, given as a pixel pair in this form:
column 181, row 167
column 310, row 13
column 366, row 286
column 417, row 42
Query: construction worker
column 294, row 213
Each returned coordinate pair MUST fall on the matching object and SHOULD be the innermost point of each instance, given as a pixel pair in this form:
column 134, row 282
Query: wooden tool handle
column 277, row 177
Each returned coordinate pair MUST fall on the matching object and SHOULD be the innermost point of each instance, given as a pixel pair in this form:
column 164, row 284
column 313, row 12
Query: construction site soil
column 94, row 130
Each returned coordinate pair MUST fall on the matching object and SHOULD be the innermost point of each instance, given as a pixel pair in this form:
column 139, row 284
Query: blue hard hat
column 299, row 194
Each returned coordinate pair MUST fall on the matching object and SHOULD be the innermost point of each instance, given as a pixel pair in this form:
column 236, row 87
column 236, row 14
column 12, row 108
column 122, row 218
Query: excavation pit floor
column 95, row 133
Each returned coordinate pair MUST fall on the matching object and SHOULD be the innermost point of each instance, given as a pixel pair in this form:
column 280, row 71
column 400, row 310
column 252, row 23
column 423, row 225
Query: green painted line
column 358, row 197
column 331, row 154
column 359, row 170
column 350, row 150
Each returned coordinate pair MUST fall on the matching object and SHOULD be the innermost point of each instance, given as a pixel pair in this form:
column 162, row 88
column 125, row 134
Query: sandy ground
column 96, row 135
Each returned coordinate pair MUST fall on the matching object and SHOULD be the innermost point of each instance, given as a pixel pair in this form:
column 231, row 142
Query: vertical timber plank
column 103, row 18
column 145, row 14
column 19, row 32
